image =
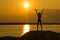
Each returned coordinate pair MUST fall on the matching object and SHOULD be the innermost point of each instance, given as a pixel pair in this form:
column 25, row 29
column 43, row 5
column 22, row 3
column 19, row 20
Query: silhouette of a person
column 39, row 19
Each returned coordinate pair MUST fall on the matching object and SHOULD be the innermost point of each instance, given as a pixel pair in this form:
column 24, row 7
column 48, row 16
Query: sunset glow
column 26, row 4
column 26, row 28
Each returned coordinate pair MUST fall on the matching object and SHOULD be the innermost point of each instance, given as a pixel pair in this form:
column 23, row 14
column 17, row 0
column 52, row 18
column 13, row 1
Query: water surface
column 19, row 30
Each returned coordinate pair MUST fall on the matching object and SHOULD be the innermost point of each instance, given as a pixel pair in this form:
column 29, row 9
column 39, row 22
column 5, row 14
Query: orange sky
column 50, row 4
column 18, row 5
column 11, row 10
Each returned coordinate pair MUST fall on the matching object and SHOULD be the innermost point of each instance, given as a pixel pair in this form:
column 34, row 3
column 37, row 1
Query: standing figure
column 39, row 18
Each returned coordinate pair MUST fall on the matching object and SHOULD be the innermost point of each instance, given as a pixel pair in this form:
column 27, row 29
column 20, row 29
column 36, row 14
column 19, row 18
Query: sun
column 26, row 5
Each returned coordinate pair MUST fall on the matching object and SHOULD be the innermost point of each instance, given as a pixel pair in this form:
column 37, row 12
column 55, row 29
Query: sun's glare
column 26, row 28
column 26, row 4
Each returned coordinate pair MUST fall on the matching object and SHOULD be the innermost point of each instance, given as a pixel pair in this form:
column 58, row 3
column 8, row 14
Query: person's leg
column 41, row 25
column 37, row 24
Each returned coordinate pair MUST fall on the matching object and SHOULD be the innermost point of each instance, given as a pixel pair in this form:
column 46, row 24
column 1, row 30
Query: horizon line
column 31, row 23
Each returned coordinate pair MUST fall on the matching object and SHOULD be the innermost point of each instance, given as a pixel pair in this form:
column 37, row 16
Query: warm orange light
column 26, row 28
column 26, row 4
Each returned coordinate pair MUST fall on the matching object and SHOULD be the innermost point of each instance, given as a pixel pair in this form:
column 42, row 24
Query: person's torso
column 39, row 15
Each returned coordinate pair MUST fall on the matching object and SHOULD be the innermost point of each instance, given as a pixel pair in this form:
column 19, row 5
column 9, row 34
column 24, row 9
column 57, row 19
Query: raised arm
column 36, row 11
column 42, row 11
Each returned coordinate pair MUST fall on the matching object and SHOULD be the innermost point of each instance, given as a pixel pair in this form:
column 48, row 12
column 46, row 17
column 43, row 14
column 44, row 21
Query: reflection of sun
column 26, row 5
column 26, row 28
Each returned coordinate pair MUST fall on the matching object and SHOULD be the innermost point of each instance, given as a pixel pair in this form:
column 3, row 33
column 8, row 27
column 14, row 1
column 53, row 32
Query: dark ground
column 35, row 35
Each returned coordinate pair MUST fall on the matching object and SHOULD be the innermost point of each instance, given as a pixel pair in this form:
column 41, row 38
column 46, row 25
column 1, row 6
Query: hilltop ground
column 35, row 35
